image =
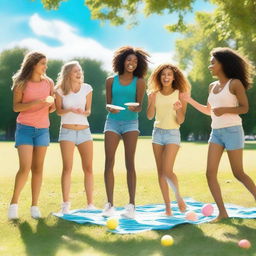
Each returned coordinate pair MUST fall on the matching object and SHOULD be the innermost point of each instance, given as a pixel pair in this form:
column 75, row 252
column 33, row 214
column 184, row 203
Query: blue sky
column 26, row 23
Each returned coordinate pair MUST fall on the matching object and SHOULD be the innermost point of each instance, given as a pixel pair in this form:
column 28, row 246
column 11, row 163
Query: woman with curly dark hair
column 227, row 100
column 124, row 96
column 165, row 85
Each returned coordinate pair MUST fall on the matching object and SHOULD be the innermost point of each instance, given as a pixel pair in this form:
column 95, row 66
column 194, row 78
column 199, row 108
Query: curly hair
column 120, row 56
column 63, row 80
column 26, row 69
column 180, row 82
column 234, row 65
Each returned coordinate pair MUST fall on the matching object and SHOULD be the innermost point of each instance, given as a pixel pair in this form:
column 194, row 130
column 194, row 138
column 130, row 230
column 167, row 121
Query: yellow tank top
column 165, row 114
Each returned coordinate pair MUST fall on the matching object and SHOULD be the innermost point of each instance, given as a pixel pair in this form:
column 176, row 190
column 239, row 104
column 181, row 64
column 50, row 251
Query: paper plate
column 132, row 104
column 115, row 107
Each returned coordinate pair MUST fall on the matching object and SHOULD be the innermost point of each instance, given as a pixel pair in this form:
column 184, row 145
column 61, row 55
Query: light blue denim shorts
column 76, row 136
column 121, row 127
column 166, row 136
column 230, row 138
column 30, row 135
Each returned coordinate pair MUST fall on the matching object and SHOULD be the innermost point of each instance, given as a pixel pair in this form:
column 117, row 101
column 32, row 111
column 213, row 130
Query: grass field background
column 51, row 236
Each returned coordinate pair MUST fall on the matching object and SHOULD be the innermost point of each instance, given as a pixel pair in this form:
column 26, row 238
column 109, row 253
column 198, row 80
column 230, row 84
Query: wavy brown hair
column 120, row 56
column 179, row 83
column 63, row 80
column 26, row 70
column 234, row 65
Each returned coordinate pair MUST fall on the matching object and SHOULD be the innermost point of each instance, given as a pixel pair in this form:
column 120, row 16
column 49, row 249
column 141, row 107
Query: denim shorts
column 30, row 135
column 166, row 136
column 76, row 136
column 121, row 127
column 230, row 138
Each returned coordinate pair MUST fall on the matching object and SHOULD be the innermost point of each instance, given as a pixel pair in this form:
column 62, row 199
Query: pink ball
column 207, row 210
column 191, row 216
column 244, row 244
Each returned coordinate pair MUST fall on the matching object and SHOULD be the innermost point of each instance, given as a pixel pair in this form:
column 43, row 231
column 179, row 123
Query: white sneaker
column 129, row 211
column 35, row 212
column 108, row 210
column 90, row 207
column 13, row 212
column 65, row 207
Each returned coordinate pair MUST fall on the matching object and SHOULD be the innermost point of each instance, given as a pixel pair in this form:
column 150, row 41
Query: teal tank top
column 123, row 94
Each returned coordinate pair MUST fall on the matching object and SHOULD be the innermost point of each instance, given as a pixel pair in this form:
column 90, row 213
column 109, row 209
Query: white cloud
column 72, row 45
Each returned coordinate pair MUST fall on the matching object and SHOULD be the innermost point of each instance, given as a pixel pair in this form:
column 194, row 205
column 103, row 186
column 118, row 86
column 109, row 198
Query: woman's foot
column 13, row 212
column 220, row 217
column 182, row 205
column 90, row 207
column 35, row 212
column 168, row 211
column 65, row 207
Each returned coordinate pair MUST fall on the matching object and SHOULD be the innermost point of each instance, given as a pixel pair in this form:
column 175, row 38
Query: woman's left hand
column 134, row 108
column 177, row 105
column 218, row 111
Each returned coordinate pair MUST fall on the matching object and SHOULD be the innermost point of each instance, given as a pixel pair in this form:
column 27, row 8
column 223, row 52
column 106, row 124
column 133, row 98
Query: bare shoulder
column 236, row 83
column 141, row 82
column 109, row 81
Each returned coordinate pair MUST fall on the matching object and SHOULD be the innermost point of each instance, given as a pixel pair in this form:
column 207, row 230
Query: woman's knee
column 87, row 169
column 239, row 175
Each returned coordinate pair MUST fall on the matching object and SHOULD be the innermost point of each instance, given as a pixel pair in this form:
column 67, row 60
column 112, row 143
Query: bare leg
column 169, row 156
column 158, row 152
column 86, row 153
column 215, row 152
column 37, row 172
column 236, row 162
column 25, row 153
column 67, row 152
column 130, row 142
column 111, row 142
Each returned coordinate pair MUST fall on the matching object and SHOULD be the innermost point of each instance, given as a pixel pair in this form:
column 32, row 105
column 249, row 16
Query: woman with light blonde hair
column 165, row 85
column 73, row 104
column 32, row 98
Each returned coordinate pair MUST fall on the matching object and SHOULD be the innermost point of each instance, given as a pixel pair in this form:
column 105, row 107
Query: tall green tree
column 193, row 53
column 10, row 61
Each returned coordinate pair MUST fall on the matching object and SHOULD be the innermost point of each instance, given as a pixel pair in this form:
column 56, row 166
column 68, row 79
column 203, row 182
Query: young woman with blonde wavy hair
column 73, row 104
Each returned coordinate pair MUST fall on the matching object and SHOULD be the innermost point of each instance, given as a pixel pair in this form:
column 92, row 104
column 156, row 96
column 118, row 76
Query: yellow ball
column 167, row 240
column 112, row 223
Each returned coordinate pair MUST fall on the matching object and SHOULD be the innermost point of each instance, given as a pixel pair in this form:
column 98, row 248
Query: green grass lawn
column 51, row 236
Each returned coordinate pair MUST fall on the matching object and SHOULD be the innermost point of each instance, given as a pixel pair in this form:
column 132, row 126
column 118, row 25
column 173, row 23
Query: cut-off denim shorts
column 30, row 135
column 166, row 136
column 76, row 136
column 231, row 138
column 121, row 127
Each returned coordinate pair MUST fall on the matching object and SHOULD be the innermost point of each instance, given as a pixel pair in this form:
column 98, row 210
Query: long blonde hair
column 63, row 80
column 26, row 70
column 180, row 82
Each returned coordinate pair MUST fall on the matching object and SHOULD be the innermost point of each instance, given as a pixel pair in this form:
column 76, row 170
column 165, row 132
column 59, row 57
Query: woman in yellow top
column 165, row 85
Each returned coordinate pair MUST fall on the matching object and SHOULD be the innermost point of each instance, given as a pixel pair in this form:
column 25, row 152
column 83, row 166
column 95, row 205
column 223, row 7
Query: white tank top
column 75, row 100
column 223, row 99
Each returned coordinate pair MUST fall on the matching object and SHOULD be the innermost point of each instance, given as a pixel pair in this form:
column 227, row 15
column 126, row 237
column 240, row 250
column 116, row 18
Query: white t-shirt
column 75, row 100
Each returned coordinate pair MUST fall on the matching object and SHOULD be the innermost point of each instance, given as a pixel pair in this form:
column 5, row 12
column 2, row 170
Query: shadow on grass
column 48, row 239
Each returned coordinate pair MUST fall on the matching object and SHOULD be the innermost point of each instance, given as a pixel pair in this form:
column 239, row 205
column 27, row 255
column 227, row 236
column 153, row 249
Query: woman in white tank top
column 227, row 100
column 73, row 104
